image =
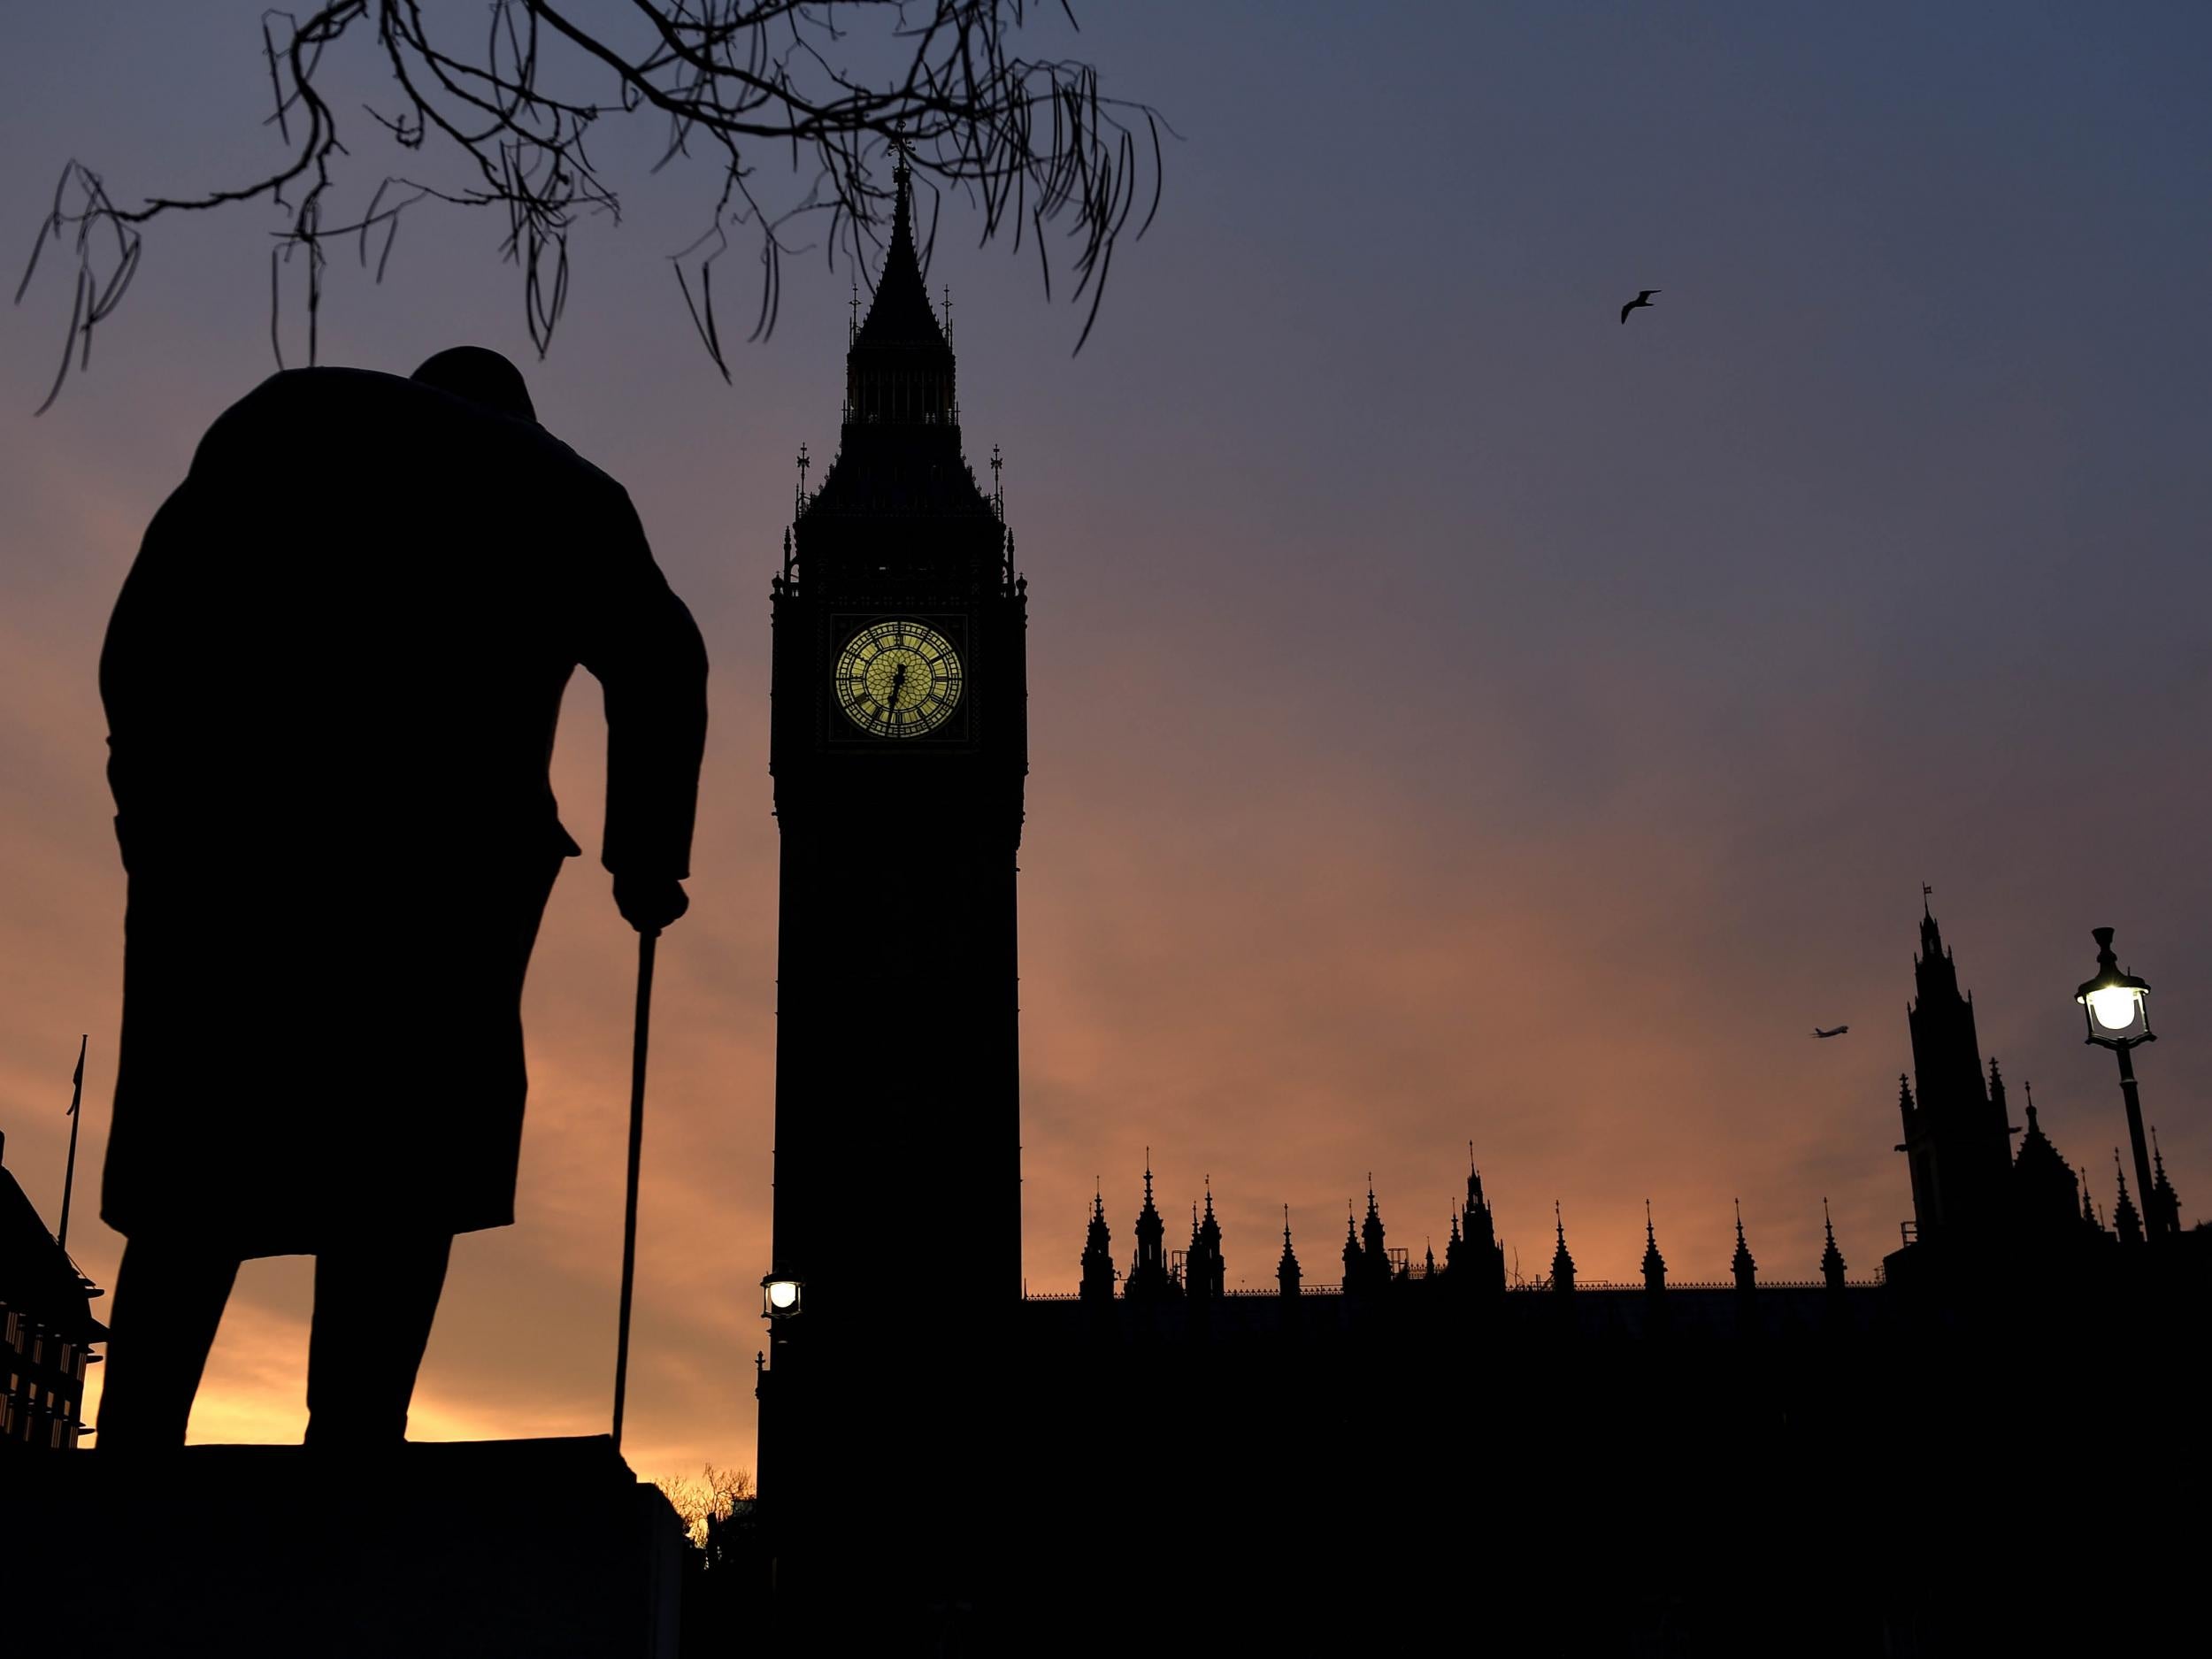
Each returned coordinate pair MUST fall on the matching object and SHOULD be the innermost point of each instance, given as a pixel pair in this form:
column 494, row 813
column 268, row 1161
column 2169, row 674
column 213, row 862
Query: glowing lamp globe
column 779, row 1297
column 2113, row 1006
column 2112, row 1003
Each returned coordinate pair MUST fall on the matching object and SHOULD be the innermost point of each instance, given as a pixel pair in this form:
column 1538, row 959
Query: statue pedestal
column 548, row 1547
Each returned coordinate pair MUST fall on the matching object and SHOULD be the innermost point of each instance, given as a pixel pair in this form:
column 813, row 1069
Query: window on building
column 38, row 1349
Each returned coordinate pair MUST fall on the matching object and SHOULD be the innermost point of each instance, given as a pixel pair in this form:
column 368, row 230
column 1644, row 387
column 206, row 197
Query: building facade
column 48, row 1335
column 1155, row 1436
column 899, row 746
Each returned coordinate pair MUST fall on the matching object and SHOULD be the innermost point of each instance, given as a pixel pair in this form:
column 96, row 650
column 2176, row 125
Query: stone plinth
column 544, row 1548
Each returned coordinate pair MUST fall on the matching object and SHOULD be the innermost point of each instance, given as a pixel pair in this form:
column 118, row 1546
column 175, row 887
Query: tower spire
column 1204, row 1272
column 1148, row 1275
column 899, row 366
column 2164, row 1203
column 1563, row 1265
column 2125, row 1221
column 1746, row 1270
column 1655, row 1264
column 1374, row 1257
column 1831, row 1258
column 1286, row 1275
column 1098, row 1252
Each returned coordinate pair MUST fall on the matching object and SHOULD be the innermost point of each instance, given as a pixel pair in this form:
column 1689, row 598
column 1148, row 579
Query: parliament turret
column 2125, row 1221
column 1373, row 1272
column 1483, row 1256
column 1563, row 1265
column 2164, row 1203
column 1149, row 1277
column 1205, row 1272
column 1098, row 1254
column 1831, row 1258
column 2046, row 1197
column 1957, row 1142
column 1655, row 1264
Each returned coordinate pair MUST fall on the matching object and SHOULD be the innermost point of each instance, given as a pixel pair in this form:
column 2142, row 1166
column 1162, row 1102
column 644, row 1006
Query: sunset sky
column 1455, row 716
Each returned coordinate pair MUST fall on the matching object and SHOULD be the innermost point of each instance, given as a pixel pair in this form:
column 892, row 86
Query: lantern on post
column 2112, row 1003
column 2113, row 1006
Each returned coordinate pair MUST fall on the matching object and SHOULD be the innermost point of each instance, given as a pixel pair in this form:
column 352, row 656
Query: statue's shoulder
column 299, row 410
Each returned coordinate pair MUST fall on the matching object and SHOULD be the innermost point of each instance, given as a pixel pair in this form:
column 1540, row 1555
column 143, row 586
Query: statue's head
column 482, row 377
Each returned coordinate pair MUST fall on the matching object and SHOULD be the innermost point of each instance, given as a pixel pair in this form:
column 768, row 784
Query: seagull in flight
column 1643, row 299
column 1838, row 1032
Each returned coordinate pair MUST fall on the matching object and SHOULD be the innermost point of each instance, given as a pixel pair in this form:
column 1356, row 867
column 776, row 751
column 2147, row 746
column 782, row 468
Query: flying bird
column 1838, row 1032
column 1643, row 298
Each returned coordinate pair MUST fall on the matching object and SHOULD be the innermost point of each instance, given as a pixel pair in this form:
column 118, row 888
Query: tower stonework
column 898, row 745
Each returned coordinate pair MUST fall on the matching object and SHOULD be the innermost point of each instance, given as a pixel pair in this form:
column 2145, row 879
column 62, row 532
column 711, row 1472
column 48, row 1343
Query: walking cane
column 645, row 942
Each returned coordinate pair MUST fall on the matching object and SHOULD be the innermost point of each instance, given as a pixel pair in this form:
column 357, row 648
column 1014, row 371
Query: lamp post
column 2117, row 1018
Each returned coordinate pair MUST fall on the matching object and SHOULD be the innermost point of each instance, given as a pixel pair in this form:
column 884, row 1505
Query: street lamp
column 779, row 1297
column 2112, row 1008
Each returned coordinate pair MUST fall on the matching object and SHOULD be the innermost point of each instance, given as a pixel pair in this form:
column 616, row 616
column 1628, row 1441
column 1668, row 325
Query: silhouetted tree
column 825, row 87
column 713, row 1495
column 726, row 1578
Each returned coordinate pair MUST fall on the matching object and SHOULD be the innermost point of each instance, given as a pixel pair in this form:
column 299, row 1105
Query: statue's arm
column 641, row 643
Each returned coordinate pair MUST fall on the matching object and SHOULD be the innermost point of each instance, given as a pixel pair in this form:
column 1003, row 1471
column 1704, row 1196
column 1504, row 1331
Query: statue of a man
column 332, row 680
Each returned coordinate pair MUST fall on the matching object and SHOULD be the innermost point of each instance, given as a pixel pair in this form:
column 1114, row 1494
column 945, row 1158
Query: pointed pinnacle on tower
column 2126, row 1221
column 2164, row 1203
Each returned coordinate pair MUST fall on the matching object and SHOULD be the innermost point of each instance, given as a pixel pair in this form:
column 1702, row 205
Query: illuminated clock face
column 898, row 679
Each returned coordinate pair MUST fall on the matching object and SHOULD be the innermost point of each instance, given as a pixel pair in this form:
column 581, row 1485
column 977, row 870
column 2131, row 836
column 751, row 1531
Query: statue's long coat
column 332, row 680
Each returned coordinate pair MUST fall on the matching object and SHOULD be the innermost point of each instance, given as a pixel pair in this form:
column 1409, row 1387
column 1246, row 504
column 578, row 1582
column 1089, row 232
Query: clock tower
column 898, row 743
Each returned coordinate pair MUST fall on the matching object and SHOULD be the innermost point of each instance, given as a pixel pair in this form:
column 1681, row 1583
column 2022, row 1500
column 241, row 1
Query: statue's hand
column 649, row 904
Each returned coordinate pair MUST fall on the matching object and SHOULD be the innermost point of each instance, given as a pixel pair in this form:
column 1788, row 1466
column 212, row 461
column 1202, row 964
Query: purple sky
column 1454, row 715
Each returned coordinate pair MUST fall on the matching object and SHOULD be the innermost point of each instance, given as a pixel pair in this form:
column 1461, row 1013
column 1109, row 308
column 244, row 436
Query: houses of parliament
column 1401, row 1445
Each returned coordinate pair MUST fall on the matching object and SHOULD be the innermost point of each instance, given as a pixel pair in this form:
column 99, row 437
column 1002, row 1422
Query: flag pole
column 69, row 1177
column 645, row 943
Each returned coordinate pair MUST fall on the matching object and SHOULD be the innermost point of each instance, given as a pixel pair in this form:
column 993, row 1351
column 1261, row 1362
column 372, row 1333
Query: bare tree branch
column 1031, row 141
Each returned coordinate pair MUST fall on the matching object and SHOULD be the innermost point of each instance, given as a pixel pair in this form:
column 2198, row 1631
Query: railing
column 1534, row 1287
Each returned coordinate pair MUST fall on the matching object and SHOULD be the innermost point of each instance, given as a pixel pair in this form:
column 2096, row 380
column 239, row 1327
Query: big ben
column 898, row 744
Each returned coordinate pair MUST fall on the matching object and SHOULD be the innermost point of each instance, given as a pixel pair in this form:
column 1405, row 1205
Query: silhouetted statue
column 332, row 680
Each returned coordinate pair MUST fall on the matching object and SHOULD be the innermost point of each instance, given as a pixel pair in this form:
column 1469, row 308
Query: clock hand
column 898, row 679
